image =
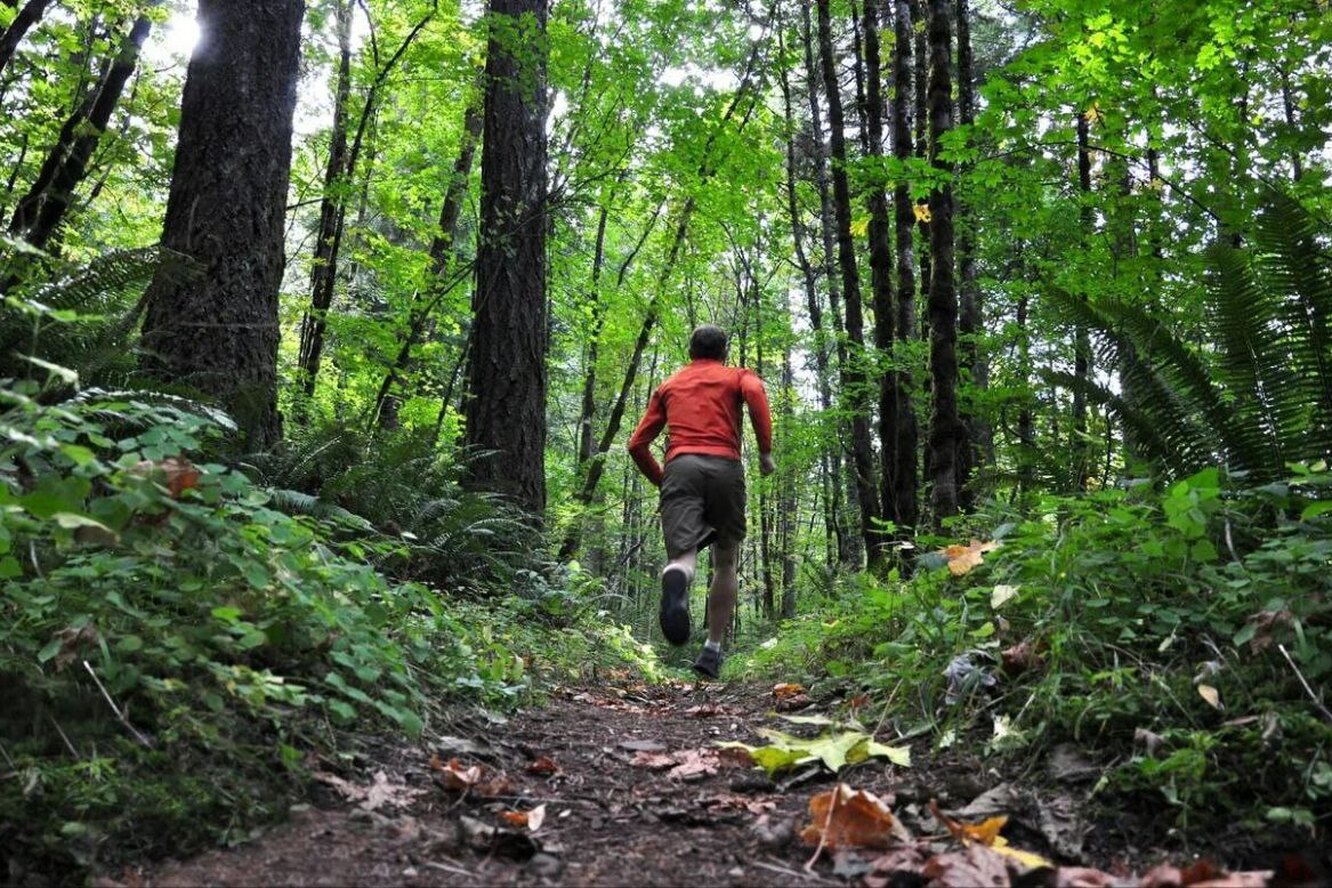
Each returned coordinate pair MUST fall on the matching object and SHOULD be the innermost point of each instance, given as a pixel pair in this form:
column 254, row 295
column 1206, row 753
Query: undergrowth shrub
column 1184, row 634
column 174, row 645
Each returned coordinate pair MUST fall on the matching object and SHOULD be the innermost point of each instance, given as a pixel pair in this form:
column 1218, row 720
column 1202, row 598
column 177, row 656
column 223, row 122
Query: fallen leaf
column 532, row 820
column 976, row 865
column 987, row 833
column 544, row 766
column 181, row 475
column 1002, row 595
column 455, row 776
column 1265, row 624
column 378, row 794
column 1021, row 658
column 843, row 817
column 787, row 690
column 791, row 704
column 962, row 559
column 1211, row 695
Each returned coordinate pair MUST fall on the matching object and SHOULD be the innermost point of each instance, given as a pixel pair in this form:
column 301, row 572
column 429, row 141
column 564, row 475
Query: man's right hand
column 766, row 465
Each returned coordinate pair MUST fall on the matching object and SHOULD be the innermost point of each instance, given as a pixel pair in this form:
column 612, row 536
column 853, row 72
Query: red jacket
column 700, row 406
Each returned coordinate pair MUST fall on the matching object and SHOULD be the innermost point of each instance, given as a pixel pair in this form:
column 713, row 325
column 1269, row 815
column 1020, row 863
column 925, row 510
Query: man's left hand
column 766, row 464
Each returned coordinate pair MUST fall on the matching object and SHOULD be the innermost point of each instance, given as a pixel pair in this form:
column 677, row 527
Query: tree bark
column 44, row 207
column 27, row 17
column 901, row 477
column 227, row 209
column 853, row 378
column 945, row 428
column 978, row 441
column 849, row 542
column 881, row 270
column 1081, row 338
column 505, row 412
column 323, row 267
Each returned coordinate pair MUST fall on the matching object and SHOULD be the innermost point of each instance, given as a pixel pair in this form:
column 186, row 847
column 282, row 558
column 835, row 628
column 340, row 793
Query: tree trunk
column 921, row 93
column 43, row 208
column 505, row 412
column 881, row 270
column 945, row 428
column 1081, row 338
column 1026, row 429
column 27, row 17
column 853, row 378
column 830, row 458
column 788, row 504
column 323, row 265
column 227, row 209
column 900, row 479
column 849, row 542
column 978, row 440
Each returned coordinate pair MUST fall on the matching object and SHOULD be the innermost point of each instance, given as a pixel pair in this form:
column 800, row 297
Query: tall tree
column 978, row 440
column 900, row 501
column 853, row 375
column 40, row 212
column 946, row 430
column 226, row 208
column 505, row 411
column 24, row 20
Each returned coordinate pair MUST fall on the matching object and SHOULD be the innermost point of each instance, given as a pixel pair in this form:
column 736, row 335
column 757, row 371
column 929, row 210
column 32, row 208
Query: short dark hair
column 708, row 341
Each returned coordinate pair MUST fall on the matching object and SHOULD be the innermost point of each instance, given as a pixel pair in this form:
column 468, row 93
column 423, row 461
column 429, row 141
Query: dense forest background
column 328, row 321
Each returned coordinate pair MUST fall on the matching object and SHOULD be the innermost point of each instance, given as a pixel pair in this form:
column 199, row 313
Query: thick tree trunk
column 945, row 428
column 323, row 265
column 43, row 208
column 27, row 17
column 901, row 477
column 853, row 378
column 1026, row 430
column 227, row 209
column 881, row 270
column 505, row 411
column 788, row 504
column 849, row 541
column 921, row 58
column 978, row 443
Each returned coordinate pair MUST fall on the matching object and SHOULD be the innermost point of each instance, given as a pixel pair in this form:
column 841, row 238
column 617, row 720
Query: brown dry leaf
column 694, row 764
column 377, row 795
column 899, row 866
column 987, row 834
column 707, row 710
column 847, row 818
column 1020, row 658
column 786, row 690
column 1265, row 623
column 654, row 760
column 976, row 865
column 1083, row 877
column 544, row 766
column 530, row 820
column 71, row 642
column 181, row 475
column 793, row 704
column 453, row 775
column 962, row 559
column 735, row 757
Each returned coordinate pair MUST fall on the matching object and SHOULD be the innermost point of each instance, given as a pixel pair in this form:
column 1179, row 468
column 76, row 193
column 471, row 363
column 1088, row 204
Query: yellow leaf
column 1211, row 695
column 1026, row 858
column 860, row 227
column 922, row 212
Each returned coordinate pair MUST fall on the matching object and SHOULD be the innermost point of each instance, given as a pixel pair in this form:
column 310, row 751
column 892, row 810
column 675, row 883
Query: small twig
column 59, row 730
column 5, row 753
column 116, row 709
column 827, row 822
column 448, row 868
column 787, row 871
column 1300, row 675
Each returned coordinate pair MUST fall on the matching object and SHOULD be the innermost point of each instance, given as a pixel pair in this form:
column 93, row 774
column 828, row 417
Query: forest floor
column 631, row 790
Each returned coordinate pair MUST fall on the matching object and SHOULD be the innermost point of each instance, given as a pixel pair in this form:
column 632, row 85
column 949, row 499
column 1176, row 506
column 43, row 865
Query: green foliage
column 172, row 642
column 1258, row 395
column 1136, row 604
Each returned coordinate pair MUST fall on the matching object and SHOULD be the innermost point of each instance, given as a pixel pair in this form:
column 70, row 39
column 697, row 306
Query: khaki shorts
column 702, row 502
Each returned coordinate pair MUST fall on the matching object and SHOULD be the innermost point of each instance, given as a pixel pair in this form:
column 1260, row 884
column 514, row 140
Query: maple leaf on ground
column 532, row 819
column 987, row 833
column 787, row 690
column 847, row 818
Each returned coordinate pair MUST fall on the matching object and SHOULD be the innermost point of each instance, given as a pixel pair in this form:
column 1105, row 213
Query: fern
column 1260, row 395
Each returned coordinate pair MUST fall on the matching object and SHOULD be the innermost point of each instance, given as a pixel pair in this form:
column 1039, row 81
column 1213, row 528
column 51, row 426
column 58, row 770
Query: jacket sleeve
column 759, row 415
column 653, row 421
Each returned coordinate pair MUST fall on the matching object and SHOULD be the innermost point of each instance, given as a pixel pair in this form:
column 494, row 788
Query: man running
column 703, row 484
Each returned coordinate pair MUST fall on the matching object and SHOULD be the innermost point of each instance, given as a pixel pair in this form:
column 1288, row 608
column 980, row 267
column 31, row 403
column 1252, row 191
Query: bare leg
column 725, row 587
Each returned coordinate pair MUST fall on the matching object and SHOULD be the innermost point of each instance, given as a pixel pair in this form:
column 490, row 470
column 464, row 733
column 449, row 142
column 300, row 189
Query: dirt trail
column 641, row 797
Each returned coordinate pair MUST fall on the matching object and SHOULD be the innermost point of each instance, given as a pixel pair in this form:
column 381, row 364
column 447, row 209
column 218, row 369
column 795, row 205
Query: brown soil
column 640, row 798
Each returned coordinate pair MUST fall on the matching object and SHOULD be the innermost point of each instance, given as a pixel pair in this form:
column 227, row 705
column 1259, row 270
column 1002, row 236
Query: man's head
column 708, row 342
